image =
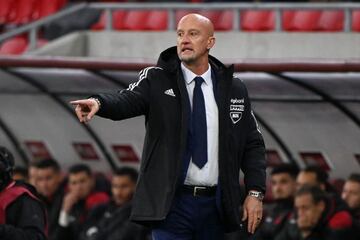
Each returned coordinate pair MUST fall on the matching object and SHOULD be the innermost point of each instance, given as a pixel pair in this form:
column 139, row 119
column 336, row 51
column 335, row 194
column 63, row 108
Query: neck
column 200, row 67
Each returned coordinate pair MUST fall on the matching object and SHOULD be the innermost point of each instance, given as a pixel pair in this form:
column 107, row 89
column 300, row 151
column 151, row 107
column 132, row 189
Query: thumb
column 93, row 111
column 245, row 213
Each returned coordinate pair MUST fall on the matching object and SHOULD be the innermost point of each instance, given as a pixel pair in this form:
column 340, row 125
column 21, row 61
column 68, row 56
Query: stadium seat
column 157, row 21
column 356, row 21
column 6, row 7
column 26, row 11
column 302, row 20
column 212, row 15
column 225, row 21
column 331, row 21
column 135, row 20
column 14, row 46
column 48, row 7
column 118, row 21
column 257, row 20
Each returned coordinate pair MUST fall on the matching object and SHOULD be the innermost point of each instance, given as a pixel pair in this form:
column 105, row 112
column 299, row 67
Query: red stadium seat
column 118, row 21
column 6, row 8
column 302, row 20
column 136, row 20
column 257, row 20
column 26, row 11
column 157, row 20
column 14, row 46
column 331, row 21
column 356, row 21
column 225, row 21
column 48, row 7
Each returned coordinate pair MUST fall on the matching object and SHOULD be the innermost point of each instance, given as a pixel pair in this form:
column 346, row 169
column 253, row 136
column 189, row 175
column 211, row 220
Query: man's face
column 194, row 39
column 122, row 189
column 351, row 194
column 307, row 178
column 308, row 212
column 48, row 181
column 283, row 186
column 80, row 184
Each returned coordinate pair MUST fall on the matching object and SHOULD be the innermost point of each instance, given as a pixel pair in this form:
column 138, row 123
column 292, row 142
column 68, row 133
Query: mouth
column 186, row 49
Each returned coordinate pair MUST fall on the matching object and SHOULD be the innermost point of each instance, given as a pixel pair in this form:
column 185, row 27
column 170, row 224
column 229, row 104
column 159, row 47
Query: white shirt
column 208, row 174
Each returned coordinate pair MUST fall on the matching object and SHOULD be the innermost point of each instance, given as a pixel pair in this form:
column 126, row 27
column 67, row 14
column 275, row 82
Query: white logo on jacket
column 170, row 92
column 236, row 109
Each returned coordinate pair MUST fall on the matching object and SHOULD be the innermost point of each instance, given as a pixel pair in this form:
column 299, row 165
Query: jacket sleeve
column 130, row 102
column 26, row 221
column 253, row 160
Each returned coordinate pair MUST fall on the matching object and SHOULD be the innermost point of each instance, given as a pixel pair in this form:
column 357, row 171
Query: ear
column 211, row 42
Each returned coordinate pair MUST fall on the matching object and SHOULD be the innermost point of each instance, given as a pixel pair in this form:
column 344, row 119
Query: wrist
column 97, row 101
column 256, row 194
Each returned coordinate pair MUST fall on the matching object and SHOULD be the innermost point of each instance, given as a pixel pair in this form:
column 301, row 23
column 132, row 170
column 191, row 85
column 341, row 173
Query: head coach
column 200, row 131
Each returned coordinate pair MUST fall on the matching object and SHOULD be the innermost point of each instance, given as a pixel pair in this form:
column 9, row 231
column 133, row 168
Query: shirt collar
column 189, row 75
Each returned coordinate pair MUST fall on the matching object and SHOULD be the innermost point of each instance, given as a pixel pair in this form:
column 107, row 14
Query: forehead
column 304, row 199
column 352, row 185
column 46, row 171
column 281, row 176
column 191, row 23
column 121, row 179
column 77, row 176
column 308, row 177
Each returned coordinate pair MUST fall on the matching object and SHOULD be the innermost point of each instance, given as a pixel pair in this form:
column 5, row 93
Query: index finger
column 77, row 102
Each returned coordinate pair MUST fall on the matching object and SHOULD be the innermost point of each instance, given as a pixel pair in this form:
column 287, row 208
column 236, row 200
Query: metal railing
column 171, row 8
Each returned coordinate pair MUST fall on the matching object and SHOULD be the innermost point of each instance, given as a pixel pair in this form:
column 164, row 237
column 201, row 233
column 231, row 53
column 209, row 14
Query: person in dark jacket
column 351, row 195
column 51, row 186
column 22, row 215
column 317, row 217
column 283, row 186
column 111, row 221
column 200, row 131
column 78, row 201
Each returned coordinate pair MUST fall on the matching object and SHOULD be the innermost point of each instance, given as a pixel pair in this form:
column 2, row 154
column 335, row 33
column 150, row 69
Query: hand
column 253, row 212
column 69, row 200
column 85, row 109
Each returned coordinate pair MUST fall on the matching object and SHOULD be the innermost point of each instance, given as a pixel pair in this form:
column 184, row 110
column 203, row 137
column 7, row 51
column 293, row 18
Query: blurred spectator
column 22, row 216
column 111, row 221
column 283, row 187
column 32, row 174
column 51, row 187
column 317, row 218
column 315, row 176
column 351, row 195
column 20, row 174
column 78, row 201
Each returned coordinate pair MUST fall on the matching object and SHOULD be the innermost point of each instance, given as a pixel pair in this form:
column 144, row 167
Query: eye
column 180, row 34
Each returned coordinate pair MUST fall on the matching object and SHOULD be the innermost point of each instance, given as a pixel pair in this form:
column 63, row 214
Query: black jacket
column 109, row 222
column 25, row 218
column 240, row 142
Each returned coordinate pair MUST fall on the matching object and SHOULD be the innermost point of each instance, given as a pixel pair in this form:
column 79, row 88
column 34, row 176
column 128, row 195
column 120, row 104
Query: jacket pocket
column 150, row 152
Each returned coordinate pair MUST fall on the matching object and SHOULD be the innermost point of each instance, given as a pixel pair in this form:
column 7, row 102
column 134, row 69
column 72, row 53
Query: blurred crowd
column 86, row 205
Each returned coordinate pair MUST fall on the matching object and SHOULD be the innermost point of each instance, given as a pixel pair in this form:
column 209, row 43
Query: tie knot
column 198, row 81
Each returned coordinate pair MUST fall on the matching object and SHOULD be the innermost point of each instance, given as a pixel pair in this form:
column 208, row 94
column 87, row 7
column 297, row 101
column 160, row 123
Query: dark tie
column 199, row 136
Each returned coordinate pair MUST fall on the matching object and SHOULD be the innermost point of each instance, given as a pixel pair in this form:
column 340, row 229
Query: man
column 314, row 176
column 111, row 221
column 317, row 218
column 22, row 216
column 78, row 201
column 200, row 131
column 283, row 186
column 51, row 186
column 351, row 195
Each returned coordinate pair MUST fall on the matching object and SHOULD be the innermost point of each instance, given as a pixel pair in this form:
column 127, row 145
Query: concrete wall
column 146, row 46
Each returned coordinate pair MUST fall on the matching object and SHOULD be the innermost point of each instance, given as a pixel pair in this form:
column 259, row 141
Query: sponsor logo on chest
column 236, row 109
